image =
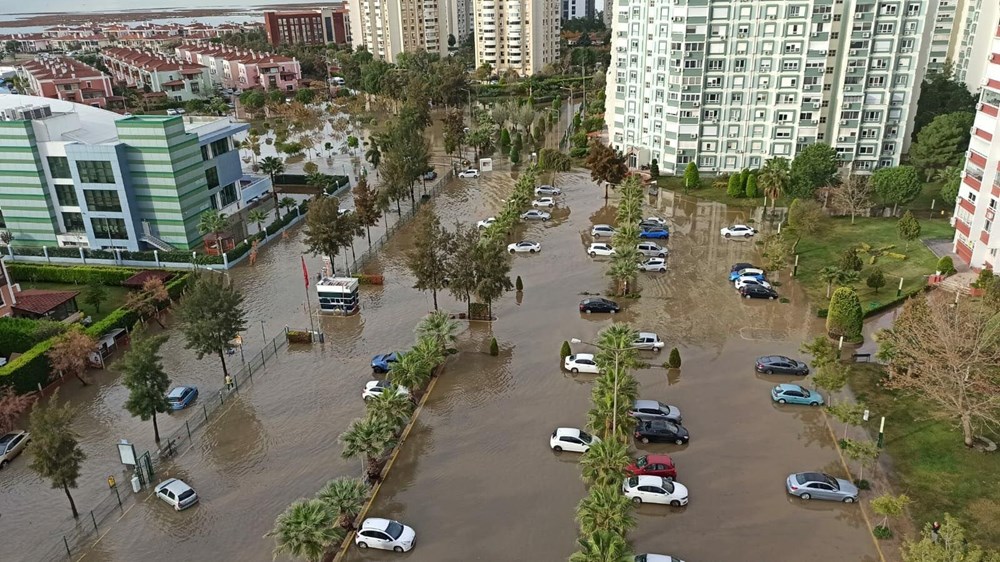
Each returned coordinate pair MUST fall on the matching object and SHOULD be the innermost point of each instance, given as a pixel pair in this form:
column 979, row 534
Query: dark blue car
column 181, row 397
column 383, row 362
column 654, row 233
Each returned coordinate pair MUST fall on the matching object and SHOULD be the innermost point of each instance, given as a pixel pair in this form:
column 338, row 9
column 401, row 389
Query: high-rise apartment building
column 308, row 27
column 977, row 228
column 731, row 84
column 390, row 27
column 518, row 35
column 974, row 36
column 574, row 9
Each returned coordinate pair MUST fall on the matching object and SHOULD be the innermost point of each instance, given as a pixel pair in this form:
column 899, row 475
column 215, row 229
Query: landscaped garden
column 113, row 297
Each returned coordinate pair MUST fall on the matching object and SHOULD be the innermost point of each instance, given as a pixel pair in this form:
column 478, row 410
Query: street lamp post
column 614, row 404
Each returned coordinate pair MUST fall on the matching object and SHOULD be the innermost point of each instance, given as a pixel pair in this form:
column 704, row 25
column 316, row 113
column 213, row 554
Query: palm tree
column 604, row 463
column 439, row 327
column 411, row 371
column 602, row 546
column 948, row 174
column 623, row 267
column 368, row 438
column 605, row 509
column 834, row 275
column 393, row 408
column 272, row 166
column 257, row 217
column 213, row 222
column 774, row 178
column 601, row 414
column 305, row 530
column 345, row 497
column 373, row 156
column 286, row 203
column 252, row 143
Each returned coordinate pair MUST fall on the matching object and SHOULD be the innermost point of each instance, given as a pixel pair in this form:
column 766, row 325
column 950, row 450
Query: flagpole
column 305, row 277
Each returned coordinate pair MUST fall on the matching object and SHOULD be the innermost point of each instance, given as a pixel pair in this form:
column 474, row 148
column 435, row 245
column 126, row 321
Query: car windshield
column 805, row 392
column 633, row 481
column 586, row 437
column 831, row 482
column 394, row 529
column 641, row 462
column 668, row 486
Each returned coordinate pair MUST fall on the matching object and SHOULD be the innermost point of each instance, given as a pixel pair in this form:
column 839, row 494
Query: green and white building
column 78, row 176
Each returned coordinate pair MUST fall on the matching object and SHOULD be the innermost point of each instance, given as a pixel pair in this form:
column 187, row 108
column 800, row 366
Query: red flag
column 305, row 272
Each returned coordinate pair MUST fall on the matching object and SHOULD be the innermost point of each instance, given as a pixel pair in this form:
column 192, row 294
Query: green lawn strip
column 709, row 193
column 116, row 297
column 930, row 461
column 823, row 249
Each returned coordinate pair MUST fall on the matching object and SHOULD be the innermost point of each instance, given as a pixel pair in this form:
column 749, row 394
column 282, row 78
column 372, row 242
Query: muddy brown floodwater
column 476, row 478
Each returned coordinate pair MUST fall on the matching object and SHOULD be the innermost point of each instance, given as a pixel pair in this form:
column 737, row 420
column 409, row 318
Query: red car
column 653, row 465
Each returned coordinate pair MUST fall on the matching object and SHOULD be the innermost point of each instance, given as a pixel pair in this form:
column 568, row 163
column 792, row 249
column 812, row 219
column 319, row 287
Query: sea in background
column 209, row 20
column 12, row 8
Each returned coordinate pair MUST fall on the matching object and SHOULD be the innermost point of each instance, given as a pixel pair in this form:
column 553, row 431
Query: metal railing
column 92, row 523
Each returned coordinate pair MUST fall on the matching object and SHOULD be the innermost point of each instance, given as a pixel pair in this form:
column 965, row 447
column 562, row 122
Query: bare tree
column 148, row 301
column 12, row 405
column 947, row 354
column 853, row 196
column 68, row 355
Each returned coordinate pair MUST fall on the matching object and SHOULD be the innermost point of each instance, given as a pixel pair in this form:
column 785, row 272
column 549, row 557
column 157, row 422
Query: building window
column 102, row 200
column 204, row 153
column 73, row 222
column 212, row 177
column 220, row 146
column 109, row 228
column 95, row 171
column 66, row 194
column 228, row 195
column 59, row 167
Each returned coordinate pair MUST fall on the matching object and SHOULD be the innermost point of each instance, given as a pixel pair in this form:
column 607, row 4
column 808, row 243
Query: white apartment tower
column 974, row 36
column 518, row 35
column 729, row 84
column 390, row 27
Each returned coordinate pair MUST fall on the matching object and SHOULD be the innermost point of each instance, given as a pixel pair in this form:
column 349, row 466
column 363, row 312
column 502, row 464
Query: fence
column 90, row 525
column 404, row 218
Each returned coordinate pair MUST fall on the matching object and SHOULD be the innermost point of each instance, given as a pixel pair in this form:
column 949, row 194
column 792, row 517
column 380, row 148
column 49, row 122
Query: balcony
column 962, row 227
column 967, row 205
column 972, row 182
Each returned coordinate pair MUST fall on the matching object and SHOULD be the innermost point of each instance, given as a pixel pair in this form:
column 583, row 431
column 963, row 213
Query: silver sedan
column 819, row 486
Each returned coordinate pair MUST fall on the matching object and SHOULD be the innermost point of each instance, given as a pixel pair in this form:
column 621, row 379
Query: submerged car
column 654, row 489
column 598, row 304
column 571, row 439
column 820, row 486
column 750, row 280
column 547, row 190
column 757, row 292
column 581, row 363
column 378, row 387
column 600, row 230
column 653, row 465
column 382, row 362
column 469, row 173
column 655, row 410
column 11, row 445
column 654, row 232
column 535, row 215
column 600, row 249
column 653, row 264
column 771, row 364
column 648, row 340
column 652, row 250
column 181, row 397
column 385, row 534
column 486, row 223
column 177, row 494
column 661, row 431
column 544, row 202
column 524, row 246
column 738, row 230
column 747, row 272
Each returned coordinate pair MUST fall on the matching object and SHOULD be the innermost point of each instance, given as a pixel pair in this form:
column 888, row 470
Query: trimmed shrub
column 518, row 284
column 494, row 347
column 298, row 336
column 71, row 274
column 735, row 188
column 882, row 532
column 479, row 311
column 29, row 370
column 844, row 315
column 565, row 351
column 946, row 265
column 752, row 186
column 674, row 361
column 850, row 261
column 18, row 335
column 367, row 279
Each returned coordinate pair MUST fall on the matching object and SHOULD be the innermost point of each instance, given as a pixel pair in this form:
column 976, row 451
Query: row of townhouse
column 232, row 67
column 180, row 81
column 63, row 78
column 91, row 38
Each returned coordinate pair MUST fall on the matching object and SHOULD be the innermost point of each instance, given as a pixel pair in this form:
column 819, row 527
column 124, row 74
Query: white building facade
column 518, row 35
column 390, row 27
column 977, row 235
column 729, row 84
column 973, row 37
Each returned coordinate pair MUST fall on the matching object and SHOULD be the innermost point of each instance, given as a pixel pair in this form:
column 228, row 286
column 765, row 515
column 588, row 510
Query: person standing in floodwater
column 229, row 382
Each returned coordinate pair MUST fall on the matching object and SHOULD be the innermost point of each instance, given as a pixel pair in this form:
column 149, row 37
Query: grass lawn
column 824, row 248
column 709, row 193
column 931, row 463
column 116, row 297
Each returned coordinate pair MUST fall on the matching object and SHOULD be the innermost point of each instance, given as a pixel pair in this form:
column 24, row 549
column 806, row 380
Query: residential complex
column 79, row 176
column 517, row 35
column 232, row 67
column 99, row 35
column 308, row 27
column 390, row 27
column 973, row 38
column 63, row 78
column 574, row 9
column 977, row 234
column 157, row 73
column 731, row 84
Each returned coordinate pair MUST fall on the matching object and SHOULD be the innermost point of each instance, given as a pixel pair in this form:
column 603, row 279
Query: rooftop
column 234, row 54
column 60, row 68
column 147, row 60
column 38, row 301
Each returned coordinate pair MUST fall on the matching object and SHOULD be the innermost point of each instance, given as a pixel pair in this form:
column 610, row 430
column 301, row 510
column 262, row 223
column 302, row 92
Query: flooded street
column 476, row 478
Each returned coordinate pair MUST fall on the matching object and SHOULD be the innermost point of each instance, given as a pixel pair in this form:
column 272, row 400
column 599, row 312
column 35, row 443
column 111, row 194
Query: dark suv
column 757, row 292
column 598, row 305
column 661, row 431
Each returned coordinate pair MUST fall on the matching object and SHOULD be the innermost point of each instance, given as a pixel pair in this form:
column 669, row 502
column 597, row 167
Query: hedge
column 72, row 274
column 18, row 335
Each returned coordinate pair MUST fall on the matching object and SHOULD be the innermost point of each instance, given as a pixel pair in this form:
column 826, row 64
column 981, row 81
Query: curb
column 349, row 539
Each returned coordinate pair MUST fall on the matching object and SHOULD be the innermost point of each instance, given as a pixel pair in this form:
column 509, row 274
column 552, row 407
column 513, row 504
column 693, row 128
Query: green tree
column 603, row 546
column 941, row 94
column 56, row 451
column 215, row 223
column 946, row 265
column 373, row 156
column 306, row 529
column 366, row 206
column 864, row 451
column 69, row 353
column 752, row 191
column 844, row 316
column 823, row 352
column 908, row 228
column 876, row 279
column 94, row 294
column 327, row 230
column 834, row 275
column 604, row 463
column 949, row 544
column 807, row 218
column 345, row 496
column 440, row 328
column 353, row 143
column 272, row 166
column 145, row 379
column 515, row 155
column 775, row 251
column 554, row 161
column 848, row 413
column 606, row 165
column 211, row 315
column 774, row 178
column 674, row 360
column 605, row 508
column 888, row 505
column 942, row 142
column 393, row 408
column 814, row 166
column 692, row 178
column 257, row 217
column 369, row 438
column 654, row 169
column 492, row 270
column 428, row 260
column 454, row 131
column 505, row 143
column 896, row 186
column 951, row 180
column 850, row 261
column 733, row 189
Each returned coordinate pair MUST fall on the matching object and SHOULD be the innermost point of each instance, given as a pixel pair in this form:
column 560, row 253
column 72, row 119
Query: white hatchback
column 602, row 230
column 571, row 439
column 581, row 363
column 470, row 173
column 486, row 223
column 600, row 249
column 544, row 202
column 655, row 489
column 375, row 388
column 385, row 534
column 653, row 264
column 745, row 280
column 177, row 494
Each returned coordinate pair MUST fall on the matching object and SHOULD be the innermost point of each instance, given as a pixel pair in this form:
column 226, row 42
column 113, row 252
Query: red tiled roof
column 146, row 60
column 61, row 68
column 140, row 278
column 173, row 83
column 38, row 301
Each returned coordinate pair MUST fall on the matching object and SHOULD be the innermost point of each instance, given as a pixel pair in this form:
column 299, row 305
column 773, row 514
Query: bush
column 29, row 370
column 876, row 279
column 882, row 532
column 946, row 265
column 70, row 274
column 518, row 284
column 752, row 186
column 674, row 361
column 479, row 311
column 845, row 316
column 366, row 279
column 850, row 261
column 735, row 187
column 578, row 152
column 565, row 351
column 494, row 348
column 298, row 336
column 119, row 318
column 18, row 335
